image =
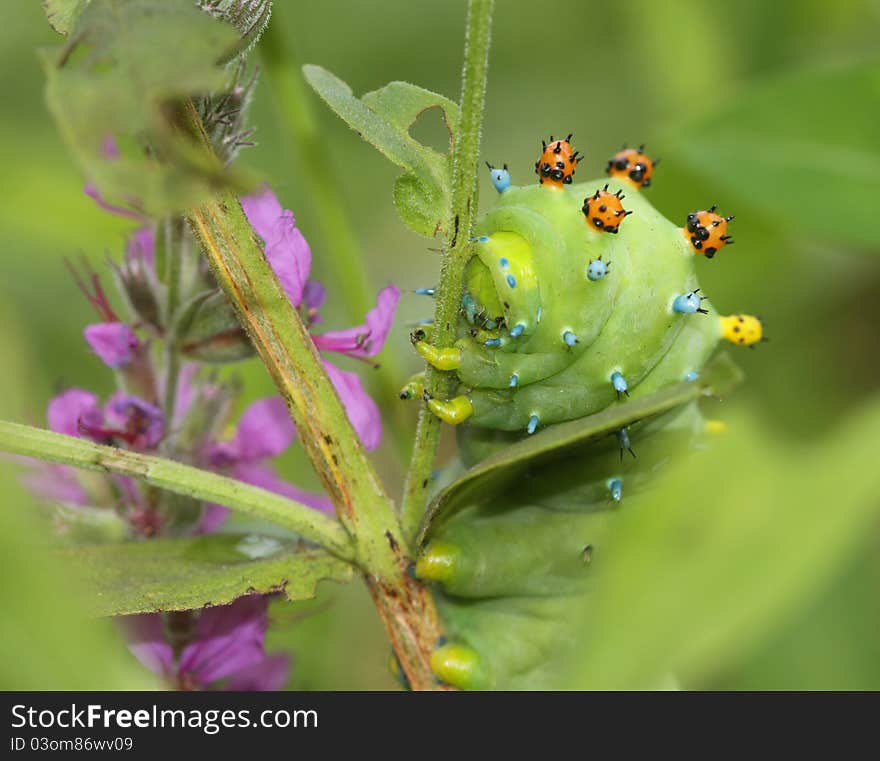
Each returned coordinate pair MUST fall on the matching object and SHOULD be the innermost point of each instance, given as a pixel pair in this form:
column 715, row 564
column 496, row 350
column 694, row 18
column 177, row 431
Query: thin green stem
column 180, row 479
column 339, row 246
column 457, row 252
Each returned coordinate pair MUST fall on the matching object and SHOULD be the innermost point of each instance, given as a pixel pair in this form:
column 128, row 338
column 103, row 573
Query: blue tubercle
column 503, row 262
column 620, row 384
column 615, row 487
column 500, row 177
column 493, row 342
column 469, row 307
column 623, row 440
column 533, row 424
column 569, row 338
column 511, row 281
column 517, row 330
column 691, row 376
column 597, row 269
column 483, row 239
column 426, row 292
column 689, row 303
column 514, row 380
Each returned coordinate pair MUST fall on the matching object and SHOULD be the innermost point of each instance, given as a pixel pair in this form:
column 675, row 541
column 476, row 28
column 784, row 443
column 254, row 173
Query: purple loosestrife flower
column 225, row 649
column 114, row 342
column 264, row 431
column 290, row 257
column 123, row 418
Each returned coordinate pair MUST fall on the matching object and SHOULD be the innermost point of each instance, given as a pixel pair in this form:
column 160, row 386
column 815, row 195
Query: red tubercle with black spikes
column 604, row 210
column 706, row 231
column 555, row 168
column 632, row 165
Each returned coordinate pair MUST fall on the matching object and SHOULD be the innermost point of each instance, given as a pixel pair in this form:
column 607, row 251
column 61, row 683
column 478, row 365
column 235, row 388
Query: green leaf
column 115, row 80
column 804, row 149
column 62, row 14
column 383, row 118
column 733, row 542
column 493, row 474
column 192, row 572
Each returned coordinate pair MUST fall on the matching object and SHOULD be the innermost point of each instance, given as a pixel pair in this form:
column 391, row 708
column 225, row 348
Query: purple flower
column 141, row 248
column 226, row 649
column 289, row 256
column 125, row 418
column 264, row 431
column 114, row 342
column 364, row 340
column 91, row 190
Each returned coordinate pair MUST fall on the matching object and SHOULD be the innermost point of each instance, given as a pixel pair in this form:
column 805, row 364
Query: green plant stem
column 457, row 252
column 339, row 246
column 289, row 354
column 173, row 276
column 180, row 479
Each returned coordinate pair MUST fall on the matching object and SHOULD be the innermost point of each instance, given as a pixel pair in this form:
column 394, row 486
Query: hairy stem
column 456, row 255
column 180, row 479
column 339, row 244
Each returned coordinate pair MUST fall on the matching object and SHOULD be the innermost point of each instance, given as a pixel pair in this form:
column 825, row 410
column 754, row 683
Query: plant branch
column 457, row 252
column 289, row 354
column 339, row 244
column 180, row 479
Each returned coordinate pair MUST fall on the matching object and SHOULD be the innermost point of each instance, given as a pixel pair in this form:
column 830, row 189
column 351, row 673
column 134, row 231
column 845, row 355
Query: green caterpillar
column 574, row 304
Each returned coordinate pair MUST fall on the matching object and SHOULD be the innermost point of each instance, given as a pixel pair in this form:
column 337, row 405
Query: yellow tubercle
column 452, row 411
column 441, row 359
column 742, row 329
column 437, row 563
column 459, row 666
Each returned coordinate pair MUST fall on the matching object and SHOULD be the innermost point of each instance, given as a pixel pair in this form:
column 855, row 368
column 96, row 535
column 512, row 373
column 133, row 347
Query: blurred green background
column 769, row 109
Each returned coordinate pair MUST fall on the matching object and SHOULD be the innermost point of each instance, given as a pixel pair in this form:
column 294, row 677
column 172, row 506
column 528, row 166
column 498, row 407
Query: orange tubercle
column 706, row 231
column 558, row 161
column 604, row 211
column 632, row 165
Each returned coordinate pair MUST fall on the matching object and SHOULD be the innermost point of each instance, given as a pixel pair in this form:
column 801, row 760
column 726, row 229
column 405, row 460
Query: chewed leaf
column 110, row 93
column 383, row 119
column 186, row 573
column 62, row 14
column 495, row 472
column 402, row 103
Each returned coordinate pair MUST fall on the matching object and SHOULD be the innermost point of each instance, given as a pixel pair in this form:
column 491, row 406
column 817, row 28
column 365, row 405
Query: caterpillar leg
column 452, row 411
column 459, row 666
column 414, row 387
column 441, row 359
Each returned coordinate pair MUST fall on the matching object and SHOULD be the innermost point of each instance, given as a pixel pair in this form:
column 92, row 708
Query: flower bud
column 213, row 334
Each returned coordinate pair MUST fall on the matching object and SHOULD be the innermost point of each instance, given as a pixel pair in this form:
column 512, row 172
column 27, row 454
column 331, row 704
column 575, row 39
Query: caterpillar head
column 555, row 168
column 633, row 165
column 707, row 231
